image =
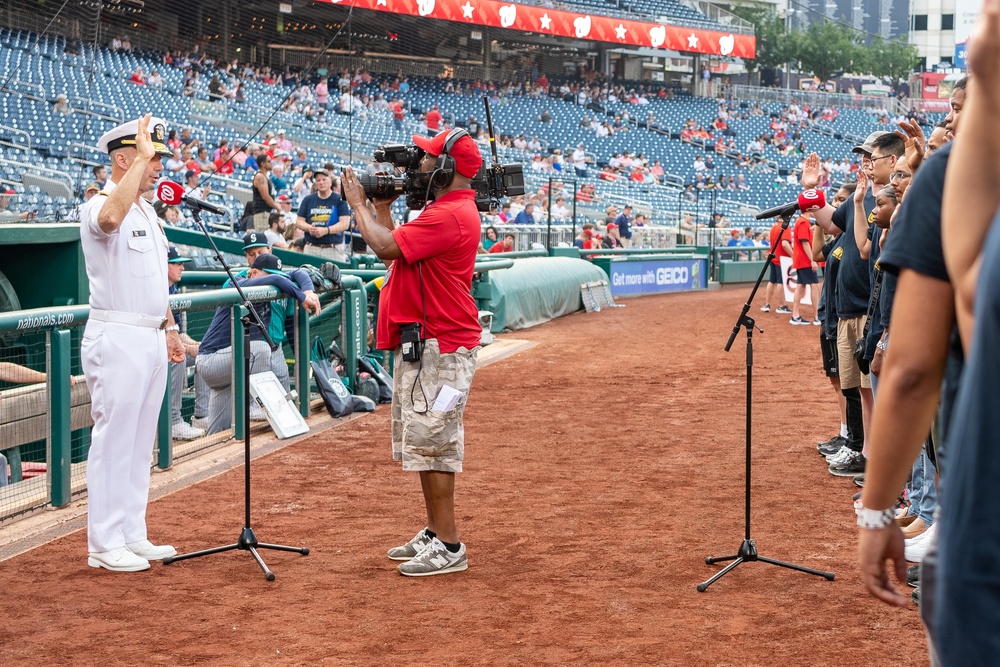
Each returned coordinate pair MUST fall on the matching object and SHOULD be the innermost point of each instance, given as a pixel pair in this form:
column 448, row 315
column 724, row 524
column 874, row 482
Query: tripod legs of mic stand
column 748, row 553
column 247, row 542
column 748, row 548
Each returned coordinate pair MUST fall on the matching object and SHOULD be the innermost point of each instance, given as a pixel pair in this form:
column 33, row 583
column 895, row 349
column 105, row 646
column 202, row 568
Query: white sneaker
column 916, row 548
column 840, row 456
column 184, row 431
column 149, row 551
column 118, row 560
column 435, row 559
column 200, row 422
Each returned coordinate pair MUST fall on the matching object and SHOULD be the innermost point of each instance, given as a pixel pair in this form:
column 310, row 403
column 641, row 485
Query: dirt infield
column 603, row 465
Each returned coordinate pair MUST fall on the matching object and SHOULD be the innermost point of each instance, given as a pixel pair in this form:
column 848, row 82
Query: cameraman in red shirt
column 428, row 317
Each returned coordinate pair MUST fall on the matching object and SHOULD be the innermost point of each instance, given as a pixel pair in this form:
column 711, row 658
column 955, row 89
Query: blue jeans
column 923, row 491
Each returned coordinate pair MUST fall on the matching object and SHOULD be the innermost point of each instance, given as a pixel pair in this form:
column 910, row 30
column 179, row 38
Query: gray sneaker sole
column 457, row 567
column 845, row 472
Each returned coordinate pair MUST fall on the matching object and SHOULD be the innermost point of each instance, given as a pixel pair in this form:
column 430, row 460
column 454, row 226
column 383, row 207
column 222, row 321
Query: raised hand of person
column 916, row 143
column 143, row 143
column 811, row 172
column 862, row 190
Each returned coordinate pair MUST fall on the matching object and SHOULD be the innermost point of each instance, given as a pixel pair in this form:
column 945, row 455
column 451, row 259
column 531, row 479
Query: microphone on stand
column 172, row 194
column 809, row 200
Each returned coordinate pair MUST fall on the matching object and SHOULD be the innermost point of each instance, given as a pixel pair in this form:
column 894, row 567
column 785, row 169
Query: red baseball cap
column 466, row 153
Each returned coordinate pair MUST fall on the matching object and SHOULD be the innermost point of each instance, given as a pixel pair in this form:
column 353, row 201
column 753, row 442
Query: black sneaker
column 915, row 596
column 853, row 465
column 859, row 480
column 783, row 310
column 913, row 575
column 831, row 446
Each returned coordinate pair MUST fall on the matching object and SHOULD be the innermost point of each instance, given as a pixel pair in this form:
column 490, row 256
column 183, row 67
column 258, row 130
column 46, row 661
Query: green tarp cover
column 538, row 289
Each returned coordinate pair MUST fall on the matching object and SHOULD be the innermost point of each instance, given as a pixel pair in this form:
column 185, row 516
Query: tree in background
column 893, row 60
column 828, row 48
column 775, row 45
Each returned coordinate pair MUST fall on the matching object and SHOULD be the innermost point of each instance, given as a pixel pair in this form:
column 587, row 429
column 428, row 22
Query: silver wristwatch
column 172, row 327
column 875, row 519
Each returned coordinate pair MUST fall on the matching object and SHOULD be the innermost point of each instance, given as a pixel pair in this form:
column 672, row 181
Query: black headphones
column 444, row 168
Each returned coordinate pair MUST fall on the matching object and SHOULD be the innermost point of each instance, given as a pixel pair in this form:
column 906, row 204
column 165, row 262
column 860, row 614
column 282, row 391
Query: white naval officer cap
column 124, row 135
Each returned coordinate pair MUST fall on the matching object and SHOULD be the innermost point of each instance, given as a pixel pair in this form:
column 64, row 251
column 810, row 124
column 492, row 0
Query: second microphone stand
column 748, row 548
column 248, row 539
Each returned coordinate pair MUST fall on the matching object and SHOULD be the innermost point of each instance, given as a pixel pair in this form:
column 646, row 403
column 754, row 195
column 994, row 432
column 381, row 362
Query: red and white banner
column 567, row 24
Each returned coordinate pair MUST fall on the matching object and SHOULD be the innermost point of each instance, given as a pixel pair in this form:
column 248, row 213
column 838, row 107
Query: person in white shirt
column 175, row 164
column 699, row 164
column 128, row 340
column 579, row 158
column 559, row 209
column 275, row 232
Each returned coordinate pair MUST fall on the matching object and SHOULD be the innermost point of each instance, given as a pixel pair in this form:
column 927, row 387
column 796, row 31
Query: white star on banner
column 381, row 3
column 467, row 9
column 620, row 31
column 546, row 21
column 692, row 41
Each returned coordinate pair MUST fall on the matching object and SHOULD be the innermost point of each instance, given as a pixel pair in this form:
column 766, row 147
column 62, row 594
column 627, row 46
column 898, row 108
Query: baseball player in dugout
column 129, row 338
column 428, row 317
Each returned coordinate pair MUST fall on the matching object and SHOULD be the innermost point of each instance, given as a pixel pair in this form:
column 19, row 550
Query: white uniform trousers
column 126, row 371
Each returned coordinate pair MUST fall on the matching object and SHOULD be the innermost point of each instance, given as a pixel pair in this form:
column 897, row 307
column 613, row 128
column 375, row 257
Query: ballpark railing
column 45, row 425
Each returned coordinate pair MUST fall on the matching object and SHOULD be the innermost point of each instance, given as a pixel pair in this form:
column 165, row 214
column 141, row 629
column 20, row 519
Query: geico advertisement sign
column 664, row 275
column 676, row 275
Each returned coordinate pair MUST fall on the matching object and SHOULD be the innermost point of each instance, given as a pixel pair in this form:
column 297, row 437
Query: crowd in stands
column 732, row 161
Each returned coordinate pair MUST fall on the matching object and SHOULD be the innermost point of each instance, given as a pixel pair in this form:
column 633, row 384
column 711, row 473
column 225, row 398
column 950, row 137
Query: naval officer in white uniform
column 128, row 340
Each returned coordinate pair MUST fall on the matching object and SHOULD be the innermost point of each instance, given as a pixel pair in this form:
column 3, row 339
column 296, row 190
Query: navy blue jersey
column 219, row 333
column 915, row 244
column 853, row 286
column 967, row 611
column 323, row 213
column 876, row 328
column 833, row 252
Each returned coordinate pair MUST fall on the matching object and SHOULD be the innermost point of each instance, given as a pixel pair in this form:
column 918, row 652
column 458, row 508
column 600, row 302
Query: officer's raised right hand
column 143, row 143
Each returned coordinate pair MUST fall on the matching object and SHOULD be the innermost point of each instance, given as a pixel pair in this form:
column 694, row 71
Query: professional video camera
column 491, row 183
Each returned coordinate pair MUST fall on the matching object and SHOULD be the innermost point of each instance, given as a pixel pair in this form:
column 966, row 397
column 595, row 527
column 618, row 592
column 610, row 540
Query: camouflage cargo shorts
column 424, row 438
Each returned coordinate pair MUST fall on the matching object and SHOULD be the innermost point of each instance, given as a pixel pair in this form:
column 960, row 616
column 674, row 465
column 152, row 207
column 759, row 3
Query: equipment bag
column 337, row 399
column 384, row 380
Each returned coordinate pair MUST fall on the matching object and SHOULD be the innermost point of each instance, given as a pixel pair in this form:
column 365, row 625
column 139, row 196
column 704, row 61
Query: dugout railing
column 45, row 425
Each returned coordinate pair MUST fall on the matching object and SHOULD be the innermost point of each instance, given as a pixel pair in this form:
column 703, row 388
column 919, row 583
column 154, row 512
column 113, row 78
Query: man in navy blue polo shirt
column 324, row 217
column 624, row 222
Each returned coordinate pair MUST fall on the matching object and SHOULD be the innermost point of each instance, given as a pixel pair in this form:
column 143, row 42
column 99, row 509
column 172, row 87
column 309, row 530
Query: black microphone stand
column 248, row 539
column 748, row 548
